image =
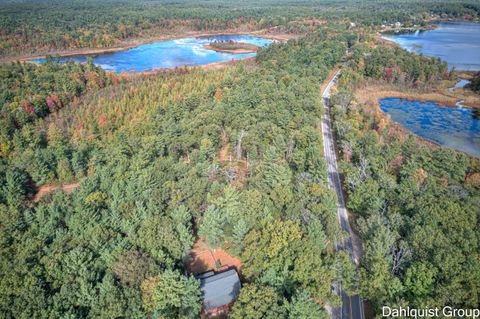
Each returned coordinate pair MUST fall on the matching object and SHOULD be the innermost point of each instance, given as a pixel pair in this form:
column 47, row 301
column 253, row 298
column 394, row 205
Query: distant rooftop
column 219, row 289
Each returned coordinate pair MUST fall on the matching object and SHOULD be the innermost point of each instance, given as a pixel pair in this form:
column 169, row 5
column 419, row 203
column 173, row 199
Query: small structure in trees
column 219, row 290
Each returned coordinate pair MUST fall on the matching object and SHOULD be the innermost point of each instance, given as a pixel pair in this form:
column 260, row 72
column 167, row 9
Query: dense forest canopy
column 116, row 245
column 417, row 208
column 46, row 25
column 31, row 92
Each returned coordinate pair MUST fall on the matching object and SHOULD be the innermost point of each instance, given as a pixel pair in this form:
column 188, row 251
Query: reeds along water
column 457, row 128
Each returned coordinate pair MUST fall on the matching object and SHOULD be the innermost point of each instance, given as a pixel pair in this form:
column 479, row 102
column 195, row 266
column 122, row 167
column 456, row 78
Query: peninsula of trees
column 231, row 47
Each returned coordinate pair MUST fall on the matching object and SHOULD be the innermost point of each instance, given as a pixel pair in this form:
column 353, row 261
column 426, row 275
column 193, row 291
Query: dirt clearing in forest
column 202, row 259
column 46, row 189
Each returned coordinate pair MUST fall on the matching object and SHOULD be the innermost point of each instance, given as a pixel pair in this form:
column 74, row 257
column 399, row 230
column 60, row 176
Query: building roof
column 219, row 289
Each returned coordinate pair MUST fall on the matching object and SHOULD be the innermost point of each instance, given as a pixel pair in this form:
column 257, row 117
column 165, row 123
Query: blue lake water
column 458, row 85
column 168, row 54
column 457, row 43
column 457, row 128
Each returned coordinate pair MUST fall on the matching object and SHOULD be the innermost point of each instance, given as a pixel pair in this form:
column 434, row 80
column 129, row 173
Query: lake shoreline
column 435, row 95
column 442, row 42
column 370, row 96
column 206, row 67
column 392, row 31
column 374, row 104
column 135, row 43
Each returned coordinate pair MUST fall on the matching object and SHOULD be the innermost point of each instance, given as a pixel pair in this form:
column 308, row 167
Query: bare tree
column 363, row 168
column 231, row 174
column 238, row 148
column 399, row 254
column 212, row 170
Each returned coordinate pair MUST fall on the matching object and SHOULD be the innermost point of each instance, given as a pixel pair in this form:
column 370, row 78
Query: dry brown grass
column 440, row 95
column 46, row 189
column 224, row 152
column 368, row 98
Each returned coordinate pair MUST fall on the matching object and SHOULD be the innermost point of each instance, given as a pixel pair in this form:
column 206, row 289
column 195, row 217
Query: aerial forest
column 112, row 247
column 416, row 205
column 29, row 27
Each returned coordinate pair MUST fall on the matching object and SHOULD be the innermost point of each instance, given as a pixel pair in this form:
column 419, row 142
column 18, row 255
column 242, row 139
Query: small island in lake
column 231, row 47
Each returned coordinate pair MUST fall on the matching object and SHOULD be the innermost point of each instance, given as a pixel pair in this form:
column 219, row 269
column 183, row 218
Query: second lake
column 457, row 128
column 168, row 54
column 457, row 43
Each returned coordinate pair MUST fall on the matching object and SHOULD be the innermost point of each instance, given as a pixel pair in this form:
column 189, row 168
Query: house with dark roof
column 219, row 290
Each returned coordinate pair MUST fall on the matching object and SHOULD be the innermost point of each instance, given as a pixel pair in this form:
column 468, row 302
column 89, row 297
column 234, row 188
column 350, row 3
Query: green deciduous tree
column 303, row 306
column 270, row 247
column 171, row 295
column 257, row 301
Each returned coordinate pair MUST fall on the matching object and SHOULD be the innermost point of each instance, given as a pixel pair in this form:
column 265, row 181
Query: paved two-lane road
column 352, row 306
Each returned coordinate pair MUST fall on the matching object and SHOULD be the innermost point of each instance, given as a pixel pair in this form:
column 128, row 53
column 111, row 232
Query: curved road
column 352, row 306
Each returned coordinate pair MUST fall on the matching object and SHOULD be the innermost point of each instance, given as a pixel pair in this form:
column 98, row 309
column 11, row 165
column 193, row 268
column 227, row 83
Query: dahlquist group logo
column 407, row 312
